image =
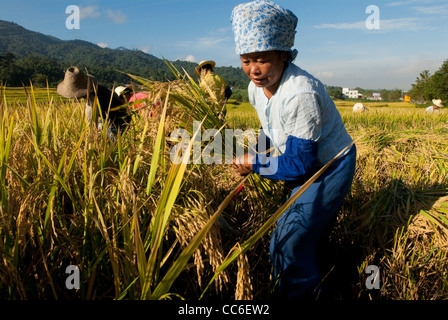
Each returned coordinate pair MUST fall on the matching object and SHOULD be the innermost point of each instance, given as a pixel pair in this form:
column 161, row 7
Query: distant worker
column 124, row 93
column 138, row 100
column 77, row 84
column 436, row 104
column 213, row 84
column 359, row 107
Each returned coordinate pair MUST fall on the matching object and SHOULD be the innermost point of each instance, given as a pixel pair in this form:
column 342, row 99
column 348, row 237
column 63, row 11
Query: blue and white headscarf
column 263, row 26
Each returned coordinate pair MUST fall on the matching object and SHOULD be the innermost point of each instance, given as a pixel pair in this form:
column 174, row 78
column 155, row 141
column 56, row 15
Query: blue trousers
column 299, row 230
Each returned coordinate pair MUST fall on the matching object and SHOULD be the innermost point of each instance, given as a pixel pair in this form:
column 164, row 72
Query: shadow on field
column 365, row 232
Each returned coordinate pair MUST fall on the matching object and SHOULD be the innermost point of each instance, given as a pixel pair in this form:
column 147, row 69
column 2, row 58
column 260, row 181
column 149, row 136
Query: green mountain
column 27, row 55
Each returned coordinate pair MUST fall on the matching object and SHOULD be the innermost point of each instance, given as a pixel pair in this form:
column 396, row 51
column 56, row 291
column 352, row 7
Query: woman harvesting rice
column 302, row 123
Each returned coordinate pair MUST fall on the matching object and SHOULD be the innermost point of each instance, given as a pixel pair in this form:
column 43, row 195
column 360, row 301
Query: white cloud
column 203, row 43
column 89, row 12
column 413, row 66
column 325, row 75
column 395, row 4
column 117, row 17
column 102, row 44
column 189, row 58
column 342, row 26
column 408, row 2
column 401, row 24
column 435, row 10
column 223, row 30
column 144, row 49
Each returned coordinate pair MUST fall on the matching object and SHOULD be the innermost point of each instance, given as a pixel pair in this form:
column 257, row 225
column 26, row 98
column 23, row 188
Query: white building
column 351, row 94
column 375, row 96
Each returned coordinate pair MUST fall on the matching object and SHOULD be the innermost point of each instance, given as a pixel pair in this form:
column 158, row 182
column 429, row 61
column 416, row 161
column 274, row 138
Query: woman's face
column 265, row 69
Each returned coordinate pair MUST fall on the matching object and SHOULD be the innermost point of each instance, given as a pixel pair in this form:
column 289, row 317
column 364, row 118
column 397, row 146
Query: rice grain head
column 244, row 289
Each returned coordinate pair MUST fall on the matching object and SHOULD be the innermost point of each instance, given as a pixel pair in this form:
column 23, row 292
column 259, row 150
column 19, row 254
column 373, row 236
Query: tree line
column 428, row 87
column 110, row 69
column 18, row 71
column 387, row 95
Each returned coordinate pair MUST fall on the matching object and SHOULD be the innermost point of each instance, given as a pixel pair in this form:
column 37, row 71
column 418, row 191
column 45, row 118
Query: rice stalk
column 250, row 242
column 244, row 286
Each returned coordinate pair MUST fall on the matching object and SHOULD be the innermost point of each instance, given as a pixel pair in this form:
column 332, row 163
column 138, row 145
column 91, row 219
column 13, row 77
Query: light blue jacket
column 302, row 123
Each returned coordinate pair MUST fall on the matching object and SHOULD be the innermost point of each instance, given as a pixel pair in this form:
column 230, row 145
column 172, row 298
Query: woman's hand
column 243, row 165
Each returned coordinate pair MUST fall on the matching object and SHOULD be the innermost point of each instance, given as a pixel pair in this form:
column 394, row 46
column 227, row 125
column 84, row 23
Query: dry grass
column 70, row 195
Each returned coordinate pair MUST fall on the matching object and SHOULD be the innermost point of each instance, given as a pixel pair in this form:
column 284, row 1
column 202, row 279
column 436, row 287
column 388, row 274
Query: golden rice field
column 140, row 227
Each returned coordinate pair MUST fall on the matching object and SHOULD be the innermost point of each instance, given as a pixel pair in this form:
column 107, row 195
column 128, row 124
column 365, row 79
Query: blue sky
column 333, row 41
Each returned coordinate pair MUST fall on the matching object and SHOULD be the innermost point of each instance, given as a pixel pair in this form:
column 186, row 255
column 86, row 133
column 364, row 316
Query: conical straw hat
column 437, row 102
column 76, row 84
column 197, row 71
